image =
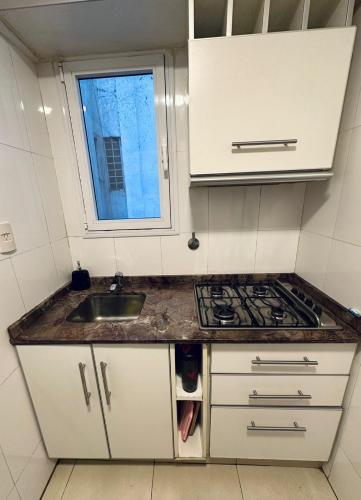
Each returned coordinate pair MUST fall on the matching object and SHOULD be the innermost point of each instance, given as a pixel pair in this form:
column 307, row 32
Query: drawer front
column 310, row 359
column 275, row 390
column 270, row 434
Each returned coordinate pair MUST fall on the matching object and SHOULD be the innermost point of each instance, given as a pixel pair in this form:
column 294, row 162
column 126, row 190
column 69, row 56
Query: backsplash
column 30, row 201
column 240, row 229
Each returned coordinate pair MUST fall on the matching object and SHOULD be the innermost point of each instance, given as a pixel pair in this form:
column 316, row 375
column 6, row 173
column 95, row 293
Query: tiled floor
column 113, row 480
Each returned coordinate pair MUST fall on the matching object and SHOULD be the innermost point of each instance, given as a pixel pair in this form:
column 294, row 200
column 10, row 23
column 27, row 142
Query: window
column 118, row 109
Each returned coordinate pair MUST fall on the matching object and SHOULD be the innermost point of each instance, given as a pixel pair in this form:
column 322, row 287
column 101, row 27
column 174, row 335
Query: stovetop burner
column 217, row 291
column 278, row 313
column 265, row 304
column 260, row 290
column 225, row 313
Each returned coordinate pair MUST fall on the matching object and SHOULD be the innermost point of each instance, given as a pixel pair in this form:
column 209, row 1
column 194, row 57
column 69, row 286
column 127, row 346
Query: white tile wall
column 226, row 220
column 140, row 254
column 329, row 256
column 36, row 274
column 276, row 251
column 11, row 309
column 30, row 201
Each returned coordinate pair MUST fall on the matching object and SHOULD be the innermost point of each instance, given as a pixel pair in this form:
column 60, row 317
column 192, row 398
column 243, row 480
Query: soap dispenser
column 80, row 279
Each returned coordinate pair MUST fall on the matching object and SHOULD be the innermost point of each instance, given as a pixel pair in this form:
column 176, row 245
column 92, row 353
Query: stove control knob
column 294, row 291
column 309, row 302
column 318, row 310
column 301, row 295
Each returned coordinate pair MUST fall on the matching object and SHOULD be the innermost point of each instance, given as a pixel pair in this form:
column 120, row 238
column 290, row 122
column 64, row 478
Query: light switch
column 7, row 242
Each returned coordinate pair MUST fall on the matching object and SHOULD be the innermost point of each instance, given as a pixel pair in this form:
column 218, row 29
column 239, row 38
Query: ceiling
column 100, row 26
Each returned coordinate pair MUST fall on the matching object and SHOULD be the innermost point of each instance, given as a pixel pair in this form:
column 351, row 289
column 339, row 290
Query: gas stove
column 267, row 304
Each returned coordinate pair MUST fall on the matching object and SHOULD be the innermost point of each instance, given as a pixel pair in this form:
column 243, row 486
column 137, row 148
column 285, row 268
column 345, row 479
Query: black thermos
column 189, row 363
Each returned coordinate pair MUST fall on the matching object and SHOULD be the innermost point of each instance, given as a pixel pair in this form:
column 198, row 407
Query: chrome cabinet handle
column 103, row 367
column 300, row 395
column 87, row 394
column 272, row 142
column 304, row 362
column 294, row 428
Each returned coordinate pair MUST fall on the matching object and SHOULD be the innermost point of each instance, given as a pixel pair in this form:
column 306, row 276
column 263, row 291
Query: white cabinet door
column 267, row 87
column 66, row 399
column 136, row 394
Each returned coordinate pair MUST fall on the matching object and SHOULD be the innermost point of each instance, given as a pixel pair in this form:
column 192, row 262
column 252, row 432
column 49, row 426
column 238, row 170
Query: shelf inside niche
column 209, row 18
column 182, row 395
column 248, row 16
column 288, row 15
column 192, row 448
column 329, row 13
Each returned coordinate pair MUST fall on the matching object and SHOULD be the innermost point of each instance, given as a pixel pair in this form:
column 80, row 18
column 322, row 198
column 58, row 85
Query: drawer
column 294, row 390
column 310, row 359
column 270, row 433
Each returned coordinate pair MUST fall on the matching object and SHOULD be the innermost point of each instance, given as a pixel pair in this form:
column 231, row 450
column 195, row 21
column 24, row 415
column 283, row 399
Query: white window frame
column 160, row 64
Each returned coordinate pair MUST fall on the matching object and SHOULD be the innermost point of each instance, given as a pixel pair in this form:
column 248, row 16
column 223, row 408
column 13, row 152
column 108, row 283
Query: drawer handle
column 300, row 395
column 272, row 142
column 304, row 362
column 87, row 394
column 294, row 428
column 103, row 367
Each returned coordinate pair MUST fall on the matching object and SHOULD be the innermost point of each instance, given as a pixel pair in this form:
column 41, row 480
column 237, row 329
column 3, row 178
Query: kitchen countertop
column 169, row 315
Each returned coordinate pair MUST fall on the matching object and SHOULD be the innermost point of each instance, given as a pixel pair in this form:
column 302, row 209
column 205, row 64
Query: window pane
column 120, row 124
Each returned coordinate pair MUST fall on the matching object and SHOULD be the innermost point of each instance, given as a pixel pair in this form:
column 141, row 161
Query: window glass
column 120, row 124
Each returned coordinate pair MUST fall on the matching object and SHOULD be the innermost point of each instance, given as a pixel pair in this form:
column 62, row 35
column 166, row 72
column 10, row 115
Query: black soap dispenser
column 80, row 279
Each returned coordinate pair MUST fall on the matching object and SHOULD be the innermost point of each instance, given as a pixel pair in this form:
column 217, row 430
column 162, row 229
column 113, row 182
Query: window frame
column 160, row 63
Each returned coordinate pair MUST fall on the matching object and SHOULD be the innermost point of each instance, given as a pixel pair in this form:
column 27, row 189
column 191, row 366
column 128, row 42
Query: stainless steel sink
column 107, row 307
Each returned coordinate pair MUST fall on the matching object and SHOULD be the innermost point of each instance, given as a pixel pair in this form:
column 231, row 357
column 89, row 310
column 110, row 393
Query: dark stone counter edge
column 350, row 332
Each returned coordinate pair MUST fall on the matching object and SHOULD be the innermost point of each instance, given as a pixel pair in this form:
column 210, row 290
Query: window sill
column 127, row 233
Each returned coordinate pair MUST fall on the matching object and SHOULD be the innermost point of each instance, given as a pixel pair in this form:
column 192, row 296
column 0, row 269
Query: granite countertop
column 169, row 315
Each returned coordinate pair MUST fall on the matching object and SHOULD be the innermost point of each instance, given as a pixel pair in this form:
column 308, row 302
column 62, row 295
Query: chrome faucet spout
column 117, row 283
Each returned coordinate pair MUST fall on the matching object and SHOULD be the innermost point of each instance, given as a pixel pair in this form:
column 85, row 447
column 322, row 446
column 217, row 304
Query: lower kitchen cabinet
column 273, row 433
column 64, row 391
column 136, row 395
column 133, row 407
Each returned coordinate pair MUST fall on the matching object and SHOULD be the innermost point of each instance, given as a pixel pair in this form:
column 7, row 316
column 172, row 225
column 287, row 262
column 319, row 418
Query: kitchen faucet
column 117, row 284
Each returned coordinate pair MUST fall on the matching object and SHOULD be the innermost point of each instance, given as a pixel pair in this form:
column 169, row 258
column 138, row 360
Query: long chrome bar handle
column 304, row 362
column 300, row 395
column 103, row 367
column 294, row 428
column 87, row 394
column 271, row 142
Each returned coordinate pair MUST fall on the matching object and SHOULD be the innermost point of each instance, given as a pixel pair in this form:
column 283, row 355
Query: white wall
column 329, row 256
column 241, row 229
column 30, row 201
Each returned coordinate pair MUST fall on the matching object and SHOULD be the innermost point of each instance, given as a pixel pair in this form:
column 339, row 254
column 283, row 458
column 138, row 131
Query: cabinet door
column 71, row 424
column 136, row 394
column 268, row 87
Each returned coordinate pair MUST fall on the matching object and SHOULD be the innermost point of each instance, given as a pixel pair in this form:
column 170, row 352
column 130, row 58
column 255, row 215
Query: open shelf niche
column 195, row 448
column 215, row 18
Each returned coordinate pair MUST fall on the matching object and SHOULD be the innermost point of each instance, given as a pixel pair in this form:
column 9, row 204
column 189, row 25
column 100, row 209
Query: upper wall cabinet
column 265, row 93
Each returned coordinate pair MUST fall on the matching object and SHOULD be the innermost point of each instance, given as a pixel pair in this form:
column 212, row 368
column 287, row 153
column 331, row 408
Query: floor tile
column 283, row 483
column 109, row 481
column 59, row 481
column 195, row 482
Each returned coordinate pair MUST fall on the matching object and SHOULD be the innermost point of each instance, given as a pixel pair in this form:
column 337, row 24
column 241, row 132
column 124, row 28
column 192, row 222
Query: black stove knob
column 301, row 295
column 318, row 310
column 309, row 302
column 294, row 291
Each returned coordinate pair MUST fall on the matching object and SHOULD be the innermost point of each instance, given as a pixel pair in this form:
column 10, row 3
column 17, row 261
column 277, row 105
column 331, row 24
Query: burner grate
column 248, row 305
